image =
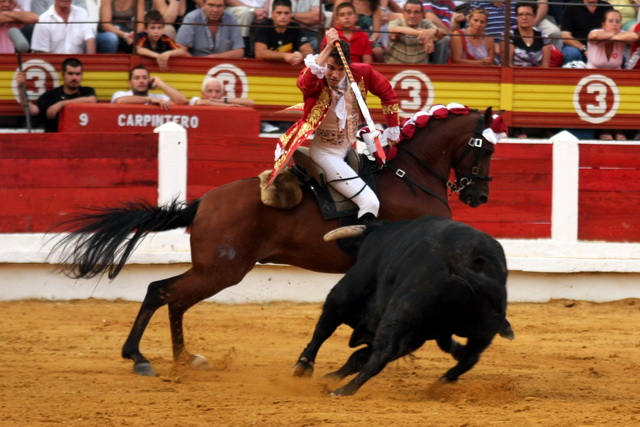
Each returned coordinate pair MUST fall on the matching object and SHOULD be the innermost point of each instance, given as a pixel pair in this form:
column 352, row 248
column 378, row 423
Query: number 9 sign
column 415, row 91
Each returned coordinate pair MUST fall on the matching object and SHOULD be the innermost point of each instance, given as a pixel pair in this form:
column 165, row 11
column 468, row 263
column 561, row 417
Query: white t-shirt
column 122, row 93
column 61, row 37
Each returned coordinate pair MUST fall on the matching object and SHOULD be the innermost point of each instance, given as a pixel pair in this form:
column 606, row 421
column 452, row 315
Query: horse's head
column 472, row 163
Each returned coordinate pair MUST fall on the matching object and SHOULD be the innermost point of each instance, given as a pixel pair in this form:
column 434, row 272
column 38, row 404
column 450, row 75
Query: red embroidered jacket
column 317, row 98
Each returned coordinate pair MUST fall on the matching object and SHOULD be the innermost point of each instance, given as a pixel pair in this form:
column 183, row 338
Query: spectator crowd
column 599, row 34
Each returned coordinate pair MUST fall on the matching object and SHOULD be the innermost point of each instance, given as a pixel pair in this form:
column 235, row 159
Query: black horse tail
column 100, row 239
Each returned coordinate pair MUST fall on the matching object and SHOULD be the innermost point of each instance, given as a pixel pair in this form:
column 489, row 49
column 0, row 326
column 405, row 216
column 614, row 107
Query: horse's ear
column 488, row 116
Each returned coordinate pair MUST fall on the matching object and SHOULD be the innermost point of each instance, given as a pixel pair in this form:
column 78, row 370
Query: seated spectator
column 529, row 46
column 369, row 20
column 40, row 6
column 496, row 17
column 117, row 27
column 578, row 19
column 444, row 16
column 247, row 12
column 628, row 10
column 607, row 45
column 359, row 44
column 634, row 53
column 606, row 48
column 154, row 44
column 211, row 31
column 546, row 23
column 473, row 45
column 141, row 83
column 213, row 94
column 306, row 13
column 173, row 11
column 48, row 106
column 51, row 37
column 279, row 39
column 11, row 16
column 412, row 38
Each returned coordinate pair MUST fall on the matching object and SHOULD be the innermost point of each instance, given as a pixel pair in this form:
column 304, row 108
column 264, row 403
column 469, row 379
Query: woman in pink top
column 606, row 51
column 607, row 44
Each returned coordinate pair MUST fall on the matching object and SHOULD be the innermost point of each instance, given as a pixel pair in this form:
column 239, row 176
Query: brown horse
column 232, row 230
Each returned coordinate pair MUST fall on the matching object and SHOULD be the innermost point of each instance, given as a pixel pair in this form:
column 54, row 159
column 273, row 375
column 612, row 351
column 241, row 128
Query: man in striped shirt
column 442, row 13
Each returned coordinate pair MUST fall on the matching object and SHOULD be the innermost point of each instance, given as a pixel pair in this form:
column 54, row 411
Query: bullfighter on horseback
column 331, row 110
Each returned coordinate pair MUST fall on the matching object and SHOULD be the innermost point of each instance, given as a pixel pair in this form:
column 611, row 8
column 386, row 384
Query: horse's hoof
column 303, row 368
column 199, row 363
column 144, row 369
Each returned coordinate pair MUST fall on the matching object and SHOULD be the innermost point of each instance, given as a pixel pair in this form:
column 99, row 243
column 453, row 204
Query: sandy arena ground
column 572, row 364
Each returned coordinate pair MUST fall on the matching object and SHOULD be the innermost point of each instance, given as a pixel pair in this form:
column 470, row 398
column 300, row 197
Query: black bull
column 418, row 280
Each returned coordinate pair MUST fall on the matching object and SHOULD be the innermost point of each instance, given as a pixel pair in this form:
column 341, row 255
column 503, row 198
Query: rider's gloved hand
column 391, row 136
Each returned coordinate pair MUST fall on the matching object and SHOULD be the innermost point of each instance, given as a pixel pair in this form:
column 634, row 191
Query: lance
column 361, row 103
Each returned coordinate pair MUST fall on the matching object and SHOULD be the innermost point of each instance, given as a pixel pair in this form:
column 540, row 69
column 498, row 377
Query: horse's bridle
column 474, row 145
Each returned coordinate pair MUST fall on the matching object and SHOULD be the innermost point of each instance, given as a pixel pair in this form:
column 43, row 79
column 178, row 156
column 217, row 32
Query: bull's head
column 472, row 170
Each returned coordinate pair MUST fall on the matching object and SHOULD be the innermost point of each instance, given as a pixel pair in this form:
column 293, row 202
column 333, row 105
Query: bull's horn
column 344, row 232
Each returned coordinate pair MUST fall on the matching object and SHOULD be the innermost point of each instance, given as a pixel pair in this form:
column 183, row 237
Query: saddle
column 332, row 203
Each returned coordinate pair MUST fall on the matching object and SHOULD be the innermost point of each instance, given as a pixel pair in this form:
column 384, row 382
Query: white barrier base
column 283, row 283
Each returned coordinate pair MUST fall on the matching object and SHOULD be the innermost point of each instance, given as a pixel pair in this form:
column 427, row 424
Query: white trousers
column 331, row 159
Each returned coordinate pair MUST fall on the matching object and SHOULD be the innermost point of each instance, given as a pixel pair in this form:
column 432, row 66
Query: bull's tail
column 100, row 240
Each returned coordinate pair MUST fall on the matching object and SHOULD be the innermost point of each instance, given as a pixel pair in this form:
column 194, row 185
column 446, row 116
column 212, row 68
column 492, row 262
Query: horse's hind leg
column 155, row 298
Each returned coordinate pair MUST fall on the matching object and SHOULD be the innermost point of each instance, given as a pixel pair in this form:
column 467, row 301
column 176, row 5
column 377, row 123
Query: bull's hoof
column 199, row 363
column 446, row 380
column 344, row 391
column 144, row 369
column 303, row 368
column 334, row 376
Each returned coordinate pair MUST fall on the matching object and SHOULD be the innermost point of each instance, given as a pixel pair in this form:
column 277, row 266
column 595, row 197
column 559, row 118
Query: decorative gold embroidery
column 363, row 89
column 390, row 109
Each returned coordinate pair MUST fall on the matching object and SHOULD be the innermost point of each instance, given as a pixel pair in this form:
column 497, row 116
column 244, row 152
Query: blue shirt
column 198, row 37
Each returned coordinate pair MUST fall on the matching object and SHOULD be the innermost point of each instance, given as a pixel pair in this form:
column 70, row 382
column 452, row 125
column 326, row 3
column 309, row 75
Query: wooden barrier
column 530, row 97
column 45, row 177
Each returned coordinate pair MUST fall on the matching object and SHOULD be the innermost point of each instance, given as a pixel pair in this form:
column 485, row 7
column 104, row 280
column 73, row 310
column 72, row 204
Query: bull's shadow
column 413, row 281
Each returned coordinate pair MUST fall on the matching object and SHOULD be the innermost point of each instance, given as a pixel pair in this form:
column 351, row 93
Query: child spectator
column 359, row 44
column 154, row 44
column 370, row 20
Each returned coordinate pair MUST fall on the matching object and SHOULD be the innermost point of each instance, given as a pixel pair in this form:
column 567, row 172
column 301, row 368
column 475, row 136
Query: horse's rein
column 474, row 143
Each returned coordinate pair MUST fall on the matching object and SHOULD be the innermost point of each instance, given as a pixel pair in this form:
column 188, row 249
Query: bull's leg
column 451, row 346
column 354, row 364
column 469, row 356
column 378, row 359
column 344, row 302
column 326, row 326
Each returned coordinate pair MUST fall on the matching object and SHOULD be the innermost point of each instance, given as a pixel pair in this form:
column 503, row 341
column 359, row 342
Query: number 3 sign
column 596, row 99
